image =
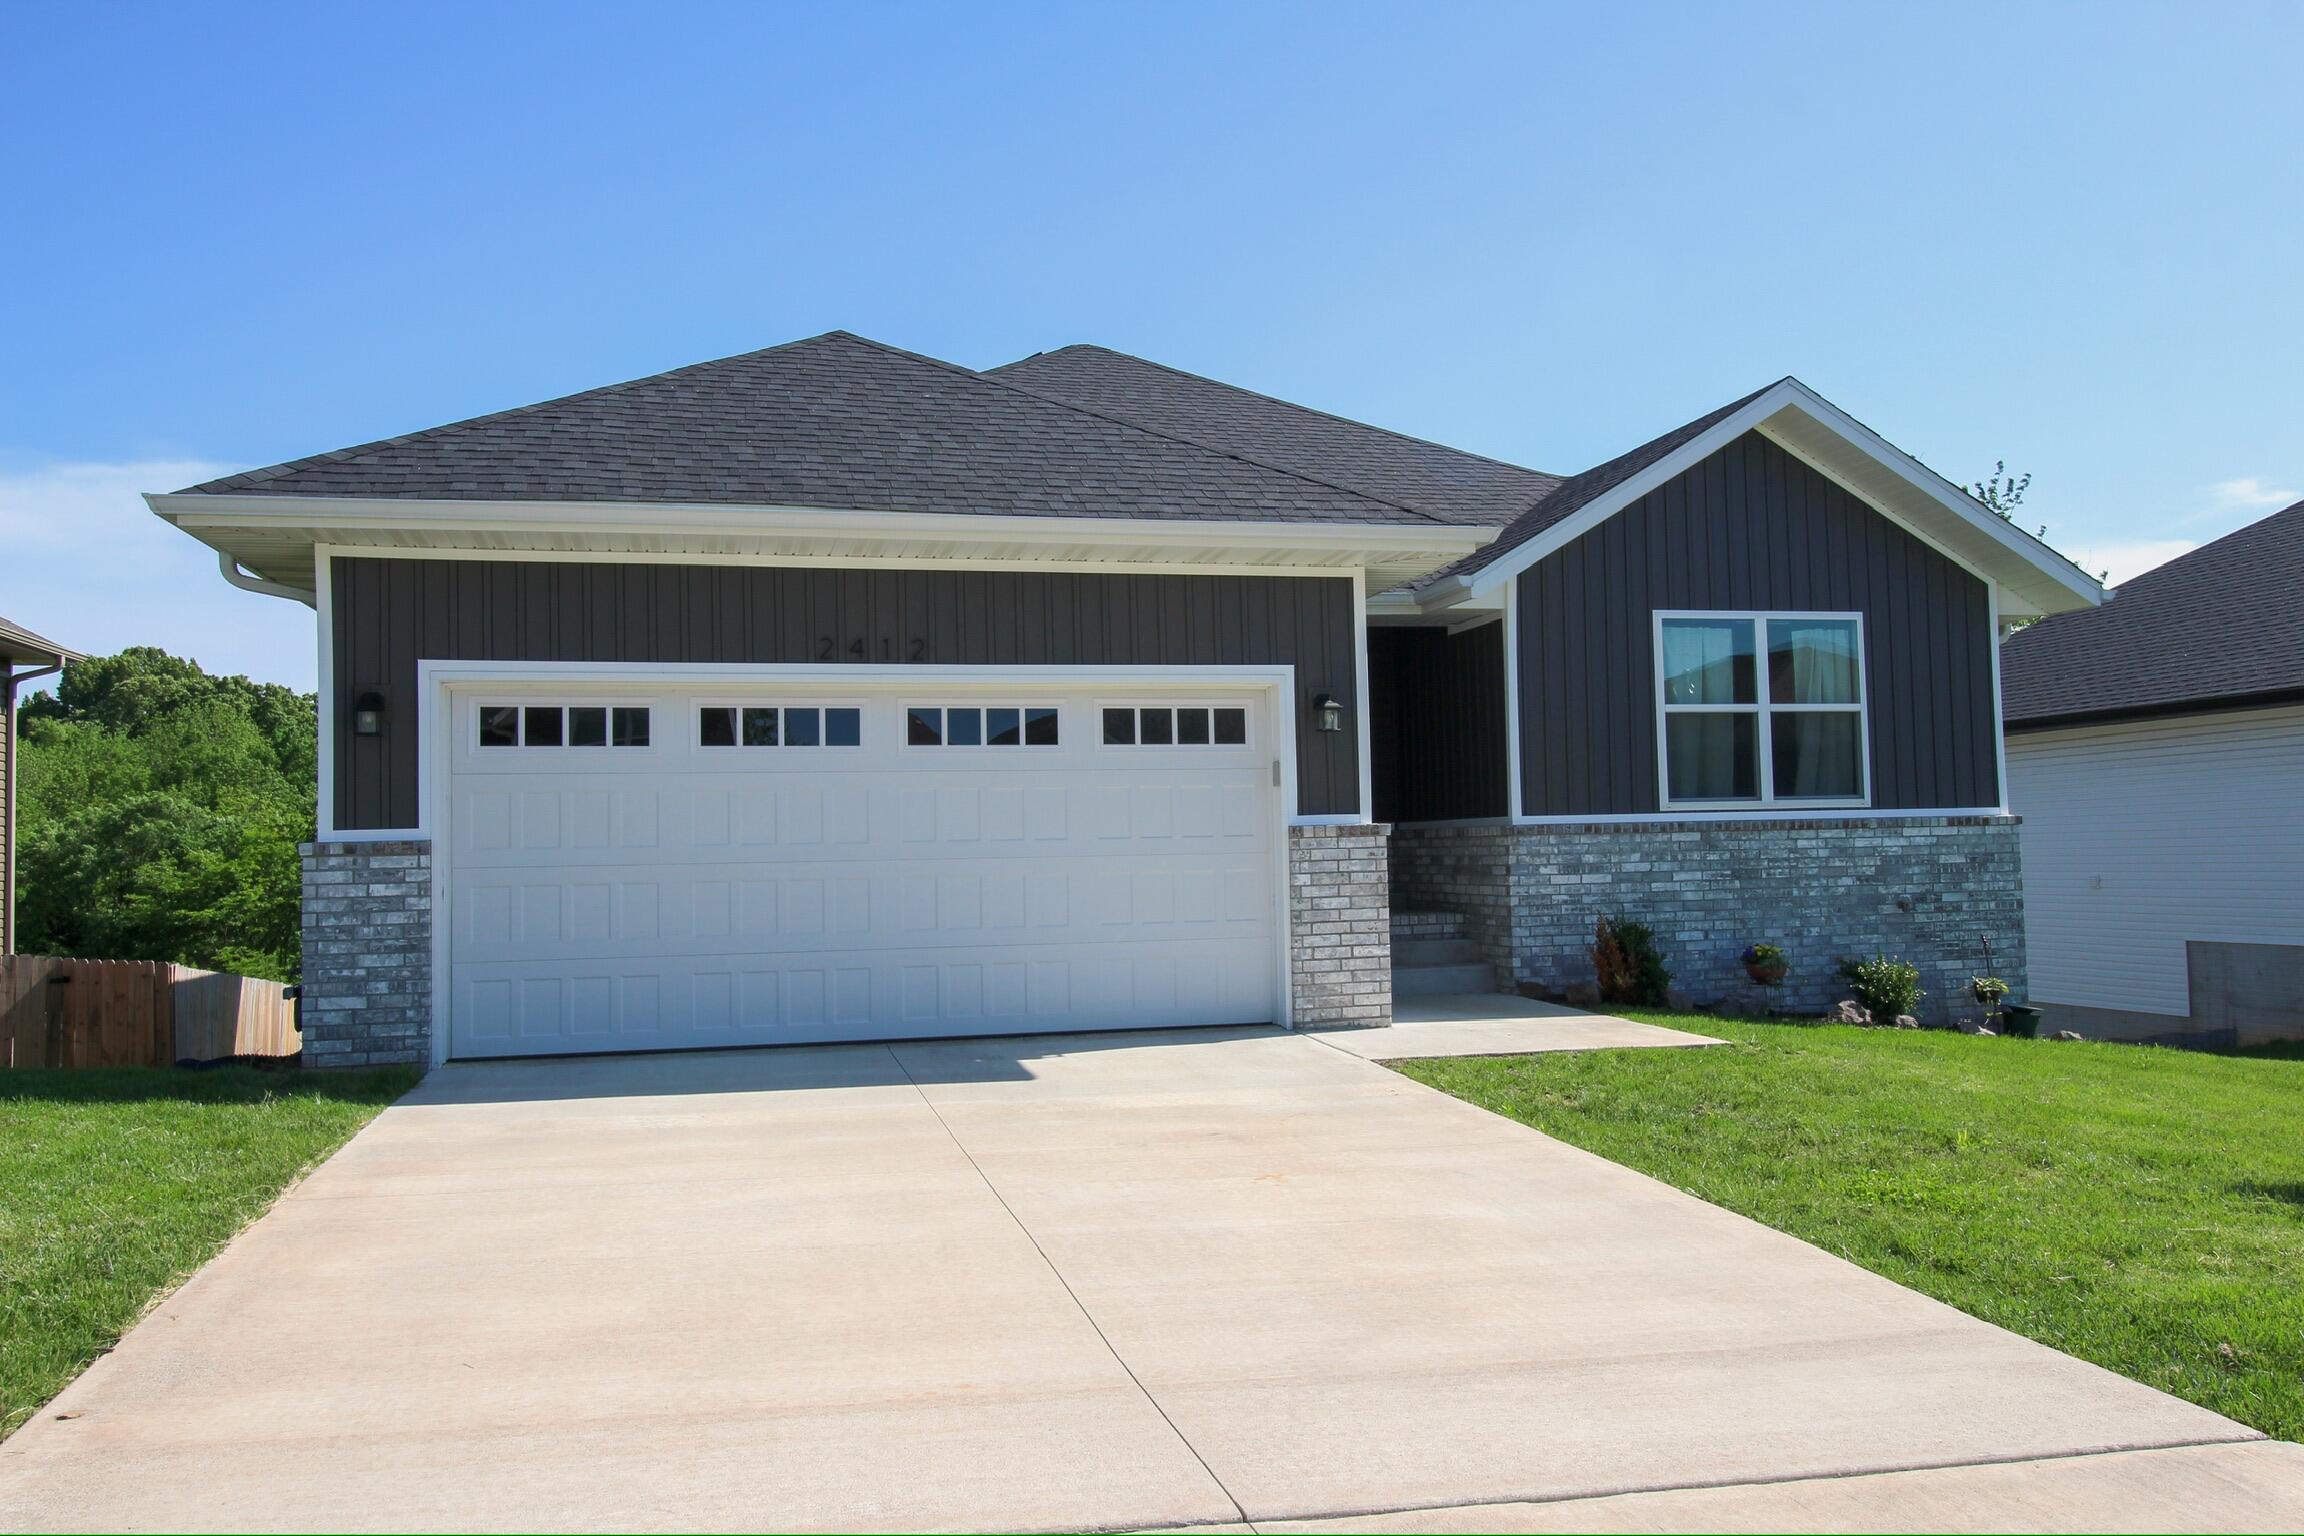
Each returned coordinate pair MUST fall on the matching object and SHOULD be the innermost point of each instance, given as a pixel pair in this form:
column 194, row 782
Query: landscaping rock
column 1850, row 1011
column 2067, row 1034
column 1906, row 1021
column 1677, row 1000
column 1975, row 1027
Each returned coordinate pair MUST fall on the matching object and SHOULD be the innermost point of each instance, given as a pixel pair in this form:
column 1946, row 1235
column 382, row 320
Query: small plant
column 1765, row 964
column 1885, row 984
column 1988, row 990
column 1626, row 964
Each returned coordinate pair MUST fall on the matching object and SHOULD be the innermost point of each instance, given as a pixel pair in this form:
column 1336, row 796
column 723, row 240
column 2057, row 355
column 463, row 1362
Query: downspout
column 247, row 583
column 8, row 681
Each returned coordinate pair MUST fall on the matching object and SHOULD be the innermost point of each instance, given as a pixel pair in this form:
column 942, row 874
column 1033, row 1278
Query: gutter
column 247, row 583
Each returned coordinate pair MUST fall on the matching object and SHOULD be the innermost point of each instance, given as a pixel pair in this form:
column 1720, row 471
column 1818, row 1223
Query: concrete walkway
column 1498, row 1024
column 1214, row 1278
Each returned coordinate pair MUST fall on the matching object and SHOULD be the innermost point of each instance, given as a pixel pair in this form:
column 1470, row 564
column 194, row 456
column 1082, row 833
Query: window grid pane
column 716, row 727
column 630, row 727
column 1119, row 727
column 843, row 727
column 588, row 725
column 1812, row 661
column 803, row 727
column 500, row 726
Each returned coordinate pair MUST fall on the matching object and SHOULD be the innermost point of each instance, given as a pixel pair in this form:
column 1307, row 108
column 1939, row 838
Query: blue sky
column 2069, row 236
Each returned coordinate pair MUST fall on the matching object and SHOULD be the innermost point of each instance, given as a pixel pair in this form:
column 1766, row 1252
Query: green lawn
column 116, row 1184
column 2137, row 1207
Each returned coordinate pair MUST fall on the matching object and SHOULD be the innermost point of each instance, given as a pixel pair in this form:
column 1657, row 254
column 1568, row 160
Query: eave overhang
column 277, row 537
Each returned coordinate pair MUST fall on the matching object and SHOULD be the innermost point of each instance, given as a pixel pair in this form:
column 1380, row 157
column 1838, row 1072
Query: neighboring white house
column 2156, row 754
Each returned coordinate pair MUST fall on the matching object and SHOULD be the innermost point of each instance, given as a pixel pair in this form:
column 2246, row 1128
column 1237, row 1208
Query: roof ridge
column 254, row 477
column 982, row 376
column 1294, row 405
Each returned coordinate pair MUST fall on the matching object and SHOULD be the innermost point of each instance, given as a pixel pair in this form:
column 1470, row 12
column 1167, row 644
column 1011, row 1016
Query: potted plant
column 1988, row 990
column 1765, row 964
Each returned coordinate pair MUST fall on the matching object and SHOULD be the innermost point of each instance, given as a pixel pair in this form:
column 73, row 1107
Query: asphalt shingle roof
column 2221, row 624
column 1575, row 493
column 20, row 644
column 1448, row 483
column 832, row 421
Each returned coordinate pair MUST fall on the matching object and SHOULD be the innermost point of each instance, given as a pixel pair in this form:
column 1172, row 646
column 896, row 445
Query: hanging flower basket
column 1765, row 964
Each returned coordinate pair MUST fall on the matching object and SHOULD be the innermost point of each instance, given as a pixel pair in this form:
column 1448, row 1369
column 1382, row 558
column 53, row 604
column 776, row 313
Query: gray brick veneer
column 1932, row 889
column 1340, row 914
column 367, row 953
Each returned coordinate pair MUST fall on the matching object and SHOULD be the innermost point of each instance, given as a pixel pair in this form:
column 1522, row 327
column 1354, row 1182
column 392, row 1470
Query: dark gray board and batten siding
column 389, row 613
column 1751, row 527
column 1437, row 716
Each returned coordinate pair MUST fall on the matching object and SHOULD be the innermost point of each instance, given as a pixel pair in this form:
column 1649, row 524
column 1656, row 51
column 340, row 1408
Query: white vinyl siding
column 2140, row 836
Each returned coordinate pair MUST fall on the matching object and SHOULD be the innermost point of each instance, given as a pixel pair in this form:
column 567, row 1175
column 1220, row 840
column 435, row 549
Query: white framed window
column 779, row 725
column 1761, row 708
column 982, row 725
column 1172, row 725
column 562, row 725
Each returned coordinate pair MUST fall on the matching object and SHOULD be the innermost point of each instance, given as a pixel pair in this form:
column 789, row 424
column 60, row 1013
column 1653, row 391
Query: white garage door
column 653, row 869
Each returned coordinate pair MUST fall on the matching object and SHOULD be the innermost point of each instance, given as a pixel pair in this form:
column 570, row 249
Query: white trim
column 438, row 683
column 1790, row 398
column 324, row 609
column 376, row 835
column 197, row 510
column 858, row 562
column 1477, row 621
column 1512, row 786
column 1999, row 718
column 1761, row 709
column 1366, row 803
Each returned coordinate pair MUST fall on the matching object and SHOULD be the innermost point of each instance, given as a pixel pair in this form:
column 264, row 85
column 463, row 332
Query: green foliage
column 1886, row 985
column 1626, row 963
column 2002, row 491
column 161, row 809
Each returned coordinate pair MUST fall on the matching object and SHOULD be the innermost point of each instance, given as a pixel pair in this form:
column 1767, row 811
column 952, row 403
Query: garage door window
column 971, row 725
column 770, row 725
column 554, row 725
column 1189, row 725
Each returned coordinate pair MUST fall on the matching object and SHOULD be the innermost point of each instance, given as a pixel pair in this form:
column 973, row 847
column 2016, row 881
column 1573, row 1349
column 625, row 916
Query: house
column 835, row 692
column 38, row 657
column 2156, row 753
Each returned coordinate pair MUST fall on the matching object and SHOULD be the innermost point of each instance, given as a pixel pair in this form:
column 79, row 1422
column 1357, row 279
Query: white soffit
column 275, row 537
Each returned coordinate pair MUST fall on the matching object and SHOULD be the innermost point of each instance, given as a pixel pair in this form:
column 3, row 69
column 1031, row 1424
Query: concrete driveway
column 1129, row 1280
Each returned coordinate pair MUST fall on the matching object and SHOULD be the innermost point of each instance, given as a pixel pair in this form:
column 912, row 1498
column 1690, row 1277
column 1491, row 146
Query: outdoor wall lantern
column 368, row 714
column 1327, row 714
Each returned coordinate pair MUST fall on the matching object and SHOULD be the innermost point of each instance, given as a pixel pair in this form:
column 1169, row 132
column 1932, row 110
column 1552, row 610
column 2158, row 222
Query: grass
column 2137, row 1207
column 117, row 1184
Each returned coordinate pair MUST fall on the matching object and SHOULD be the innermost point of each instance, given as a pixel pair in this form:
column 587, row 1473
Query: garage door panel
column 675, row 895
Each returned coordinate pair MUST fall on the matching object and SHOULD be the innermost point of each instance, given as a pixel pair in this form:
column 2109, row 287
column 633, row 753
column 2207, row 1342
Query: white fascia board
column 198, row 511
column 2010, row 556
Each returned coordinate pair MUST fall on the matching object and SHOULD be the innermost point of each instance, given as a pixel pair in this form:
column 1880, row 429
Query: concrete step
column 1427, row 925
column 1440, row 980
column 1423, row 951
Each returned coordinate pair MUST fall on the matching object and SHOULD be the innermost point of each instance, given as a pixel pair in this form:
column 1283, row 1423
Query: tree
column 161, row 809
column 2001, row 491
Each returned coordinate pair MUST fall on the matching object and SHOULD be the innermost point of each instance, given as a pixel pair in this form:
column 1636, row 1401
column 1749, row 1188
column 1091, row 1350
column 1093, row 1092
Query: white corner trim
column 324, row 612
column 1364, row 729
column 1843, row 813
column 1512, row 721
column 1999, row 708
column 1792, row 396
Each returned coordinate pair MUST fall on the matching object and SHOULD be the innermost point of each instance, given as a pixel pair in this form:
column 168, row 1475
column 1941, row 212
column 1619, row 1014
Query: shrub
column 1885, row 984
column 1626, row 964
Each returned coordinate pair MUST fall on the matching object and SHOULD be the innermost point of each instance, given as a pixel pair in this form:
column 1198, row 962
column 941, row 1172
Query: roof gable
column 2032, row 577
column 1445, row 482
column 835, row 421
column 2219, row 625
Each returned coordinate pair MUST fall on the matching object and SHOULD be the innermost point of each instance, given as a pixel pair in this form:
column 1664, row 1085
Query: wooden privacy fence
column 59, row 1012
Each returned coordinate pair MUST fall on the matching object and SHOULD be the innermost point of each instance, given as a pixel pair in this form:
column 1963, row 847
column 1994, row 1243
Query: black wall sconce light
column 368, row 714
column 1327, row 714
